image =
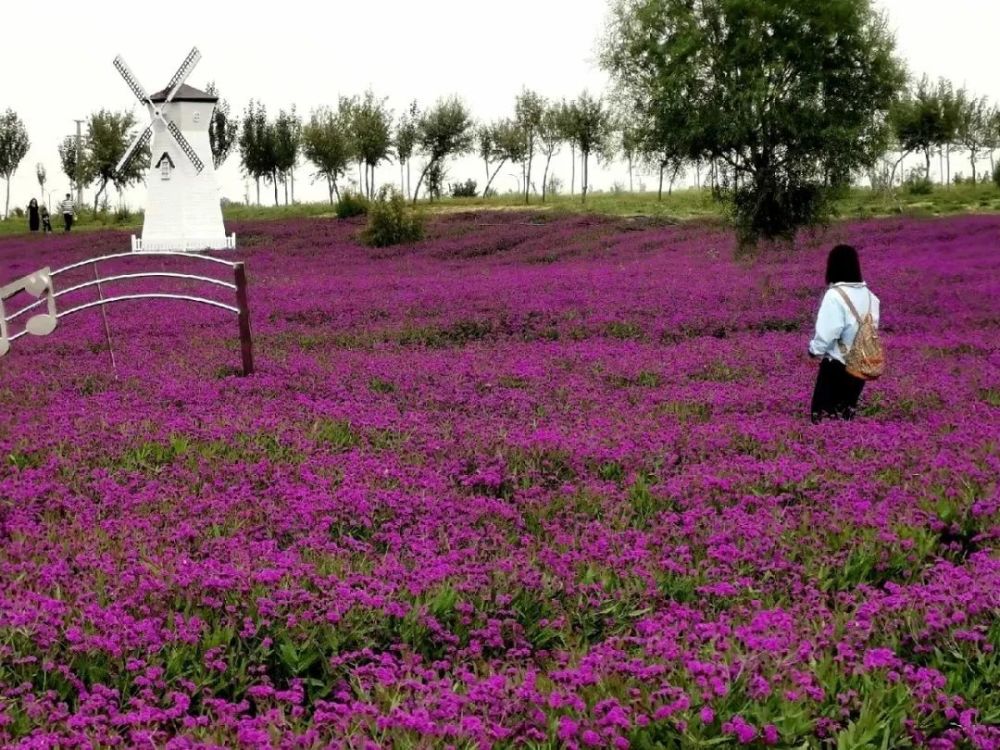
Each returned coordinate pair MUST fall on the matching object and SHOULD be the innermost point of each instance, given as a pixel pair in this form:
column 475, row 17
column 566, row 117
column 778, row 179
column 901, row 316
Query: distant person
column 43, row 214
column 33, row 215
column 846, row 303
column 68, row 212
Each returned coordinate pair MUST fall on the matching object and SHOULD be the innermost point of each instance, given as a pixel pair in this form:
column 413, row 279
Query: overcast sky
column 55, row 61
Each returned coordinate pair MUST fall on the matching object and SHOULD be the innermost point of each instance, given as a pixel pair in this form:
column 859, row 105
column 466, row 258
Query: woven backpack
column 866, row 357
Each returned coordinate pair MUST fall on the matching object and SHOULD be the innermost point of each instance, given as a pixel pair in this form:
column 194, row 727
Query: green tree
column 371, row 131
column 14, row 144
column 588, row 126
column 326, row 143
column 917, row 121
column 405, row 141
column 109, row 134
column 529, row 108
column 222, row 129
column 287, row 137
column 973, row 130
column 256, row 144
column 550, row 138
column 630, row 140
column 951, row 102
column 444, row 130
column 68, row 159
column 993, row 135
column 498, row 143
column 791, row 96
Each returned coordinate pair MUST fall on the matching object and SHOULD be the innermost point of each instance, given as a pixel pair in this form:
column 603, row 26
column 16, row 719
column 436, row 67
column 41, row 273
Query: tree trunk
column 545, row 177
column 291, row 179
column 972, row 158
column 420, row 181
column 583, row 174
column 6, row 205
column 284, row 184
column 402, row 183
column 527, row 176
column 274, row 181
column 928, row 154
column 407, row 178
column 659, row 194
column 572, row 178
column 258, row 190
column 336, row 190
column 947, row 161
column 630, row 175
column 98, row 194
column 329, row 187
column 490, row 179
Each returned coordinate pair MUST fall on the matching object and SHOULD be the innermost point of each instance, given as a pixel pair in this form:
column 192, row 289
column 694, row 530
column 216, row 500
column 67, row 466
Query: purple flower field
column 533, row 482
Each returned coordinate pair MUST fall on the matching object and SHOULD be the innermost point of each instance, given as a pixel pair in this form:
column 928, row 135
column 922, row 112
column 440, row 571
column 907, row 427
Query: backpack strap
column 847, row 299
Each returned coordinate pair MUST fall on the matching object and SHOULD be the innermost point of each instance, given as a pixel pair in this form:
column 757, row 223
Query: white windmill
column 183, row 211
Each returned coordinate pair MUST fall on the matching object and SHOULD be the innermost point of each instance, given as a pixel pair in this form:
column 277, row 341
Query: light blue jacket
column 835, row 323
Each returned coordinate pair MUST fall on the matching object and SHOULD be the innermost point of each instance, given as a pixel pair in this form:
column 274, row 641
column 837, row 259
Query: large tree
column 973, row 131
column 550, row 138
column 109, row 134
column 326, row 143
column 371, row 131
column 287, row 137
column 222, row 129
column 405, row 141
column 256, row 144
column 68, row 161
column 529, row 108
column 917, row 121
column 446, row 129
column 790, row 95
column 498, row 143
column 587, row 124
column 14, row 144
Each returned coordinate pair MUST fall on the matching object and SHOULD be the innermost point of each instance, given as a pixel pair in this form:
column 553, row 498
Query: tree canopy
column 791, row 96
column 14, row 144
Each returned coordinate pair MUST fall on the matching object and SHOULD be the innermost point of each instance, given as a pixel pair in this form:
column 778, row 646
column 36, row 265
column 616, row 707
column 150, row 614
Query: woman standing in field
column 33, row 215
column 847, row 302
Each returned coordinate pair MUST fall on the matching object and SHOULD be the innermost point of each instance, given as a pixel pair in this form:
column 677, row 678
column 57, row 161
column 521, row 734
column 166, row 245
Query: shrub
column 918, row 183
column 465, row 189
column 351, row 204
column 390, row 221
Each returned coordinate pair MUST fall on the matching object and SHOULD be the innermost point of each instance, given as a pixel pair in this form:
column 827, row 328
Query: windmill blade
column 137, row 145
column 185, row 146
column 131, row 80
column 183, row 72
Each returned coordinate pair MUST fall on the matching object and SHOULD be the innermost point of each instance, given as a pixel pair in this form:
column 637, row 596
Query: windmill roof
column 184, row 94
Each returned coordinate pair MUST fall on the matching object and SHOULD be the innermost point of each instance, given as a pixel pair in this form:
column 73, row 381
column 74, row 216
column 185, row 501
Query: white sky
column 55, row 61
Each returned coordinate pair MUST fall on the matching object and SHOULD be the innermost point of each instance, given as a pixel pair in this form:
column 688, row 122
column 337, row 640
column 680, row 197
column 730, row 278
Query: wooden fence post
column 246, row 342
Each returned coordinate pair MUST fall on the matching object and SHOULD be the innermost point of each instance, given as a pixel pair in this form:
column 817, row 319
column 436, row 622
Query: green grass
column 859, row 203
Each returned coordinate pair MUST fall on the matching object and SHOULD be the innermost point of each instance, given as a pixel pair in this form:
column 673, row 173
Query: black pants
column 68, row 221
column 836, row 393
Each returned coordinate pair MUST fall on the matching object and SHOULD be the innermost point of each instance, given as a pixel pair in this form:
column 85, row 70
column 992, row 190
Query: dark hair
column 843, row 266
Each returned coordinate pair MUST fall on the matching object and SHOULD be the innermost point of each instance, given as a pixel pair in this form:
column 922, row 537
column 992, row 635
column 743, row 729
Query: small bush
column 390, row 221
column 467, row 189
column 918, row 183
column 352, row 204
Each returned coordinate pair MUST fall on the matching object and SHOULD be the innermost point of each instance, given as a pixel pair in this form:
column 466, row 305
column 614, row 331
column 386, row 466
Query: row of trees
column 939, row 118
column 361, row 131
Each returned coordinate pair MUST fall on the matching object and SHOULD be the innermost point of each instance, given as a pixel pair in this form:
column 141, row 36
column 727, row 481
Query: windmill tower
column 183, row 211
